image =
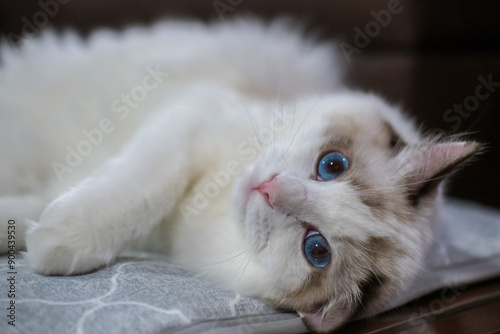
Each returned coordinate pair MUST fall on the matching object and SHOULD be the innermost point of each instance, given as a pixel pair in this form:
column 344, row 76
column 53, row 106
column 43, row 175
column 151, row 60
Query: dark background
column 428, row 58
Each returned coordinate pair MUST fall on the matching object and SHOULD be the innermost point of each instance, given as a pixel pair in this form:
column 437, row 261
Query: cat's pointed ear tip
column 325, row 322
column 475, row 146
column 469, row 148
column 464, row 147
column 470, row 145
column 453, row 151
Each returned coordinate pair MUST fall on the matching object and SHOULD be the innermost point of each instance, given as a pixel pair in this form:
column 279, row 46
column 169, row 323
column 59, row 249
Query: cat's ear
column 423, row 167
column 327, row 318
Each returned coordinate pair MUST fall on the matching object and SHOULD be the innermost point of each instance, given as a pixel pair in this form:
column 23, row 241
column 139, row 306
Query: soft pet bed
column 144, row 293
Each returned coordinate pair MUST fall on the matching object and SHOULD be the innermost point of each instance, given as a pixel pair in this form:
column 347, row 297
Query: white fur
column 174, row 170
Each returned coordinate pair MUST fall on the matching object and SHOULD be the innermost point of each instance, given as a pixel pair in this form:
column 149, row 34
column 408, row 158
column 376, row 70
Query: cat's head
column 338, row 210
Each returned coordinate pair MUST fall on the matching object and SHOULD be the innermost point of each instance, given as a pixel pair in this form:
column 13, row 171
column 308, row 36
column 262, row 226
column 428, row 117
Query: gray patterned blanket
column 144, row 293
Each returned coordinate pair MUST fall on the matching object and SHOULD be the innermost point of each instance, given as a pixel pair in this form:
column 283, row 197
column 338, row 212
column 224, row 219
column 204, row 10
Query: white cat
column 233, row 148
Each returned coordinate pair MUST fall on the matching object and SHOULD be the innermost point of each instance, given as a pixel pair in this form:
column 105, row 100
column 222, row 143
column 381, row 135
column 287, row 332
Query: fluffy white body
column 164, row 138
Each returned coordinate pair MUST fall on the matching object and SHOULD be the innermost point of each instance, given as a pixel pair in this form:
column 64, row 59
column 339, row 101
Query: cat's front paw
column 63, row 243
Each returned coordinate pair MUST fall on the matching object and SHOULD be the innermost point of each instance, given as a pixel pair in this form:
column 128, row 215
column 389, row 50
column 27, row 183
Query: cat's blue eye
column 332, row 165
column 316, row 250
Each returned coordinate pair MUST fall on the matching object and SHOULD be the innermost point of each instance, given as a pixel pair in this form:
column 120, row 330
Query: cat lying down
column 231, row 147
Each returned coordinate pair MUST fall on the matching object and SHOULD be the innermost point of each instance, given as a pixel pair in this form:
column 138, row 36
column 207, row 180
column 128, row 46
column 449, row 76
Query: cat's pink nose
column 267, row 189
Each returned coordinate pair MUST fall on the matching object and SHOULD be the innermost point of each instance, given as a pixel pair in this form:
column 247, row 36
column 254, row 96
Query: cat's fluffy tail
column 245, row 53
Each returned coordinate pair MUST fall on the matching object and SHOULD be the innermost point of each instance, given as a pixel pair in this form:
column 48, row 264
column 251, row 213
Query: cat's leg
column 15, row 211
column 87, row 227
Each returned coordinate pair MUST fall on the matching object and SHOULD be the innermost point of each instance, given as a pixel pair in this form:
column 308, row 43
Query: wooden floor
column 473, row 309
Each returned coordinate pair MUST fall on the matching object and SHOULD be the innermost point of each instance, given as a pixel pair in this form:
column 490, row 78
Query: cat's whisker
column 254, row 129
column 378, row 279
column 241, row 272
column 201, row 274
column 377, row 189
column 302, row 123
column 293, row 119
column 274, row 130
column 224, row 261
column 275, row 110
column 363, row 246
column 425, row 180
